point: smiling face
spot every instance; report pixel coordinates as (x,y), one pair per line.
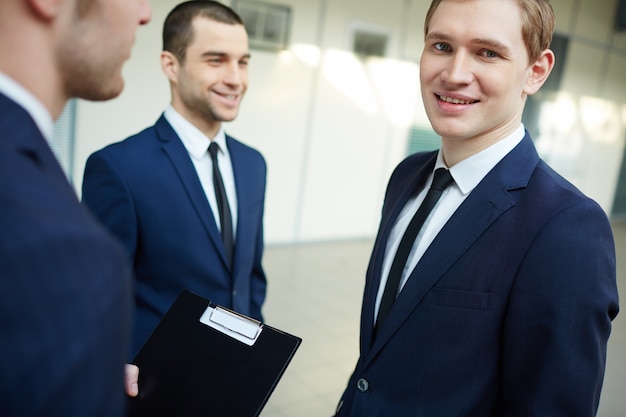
(208,86)
(475,73)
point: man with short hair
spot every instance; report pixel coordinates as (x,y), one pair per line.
(187,220)
(499,300)
(64,281)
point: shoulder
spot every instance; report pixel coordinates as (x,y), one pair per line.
(552,214)
(557,193)
(136,141)
(130,150)
(411,169)
(241,152)
(414,162)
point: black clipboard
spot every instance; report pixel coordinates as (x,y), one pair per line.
(203,359)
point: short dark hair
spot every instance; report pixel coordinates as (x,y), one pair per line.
(178,29)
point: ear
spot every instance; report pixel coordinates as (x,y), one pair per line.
(170,65)
(539,72)
(45,9)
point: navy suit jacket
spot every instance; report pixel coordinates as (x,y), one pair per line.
(65,295)
(146,190)
(509,310)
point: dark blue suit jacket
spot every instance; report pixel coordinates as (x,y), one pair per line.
(65,295)
(146,190)
(509,310)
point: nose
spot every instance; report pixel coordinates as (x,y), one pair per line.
(145,12)
(234,75)
(458,69)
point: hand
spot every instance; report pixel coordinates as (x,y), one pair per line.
(131,376)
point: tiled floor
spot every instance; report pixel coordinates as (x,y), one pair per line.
(315,292)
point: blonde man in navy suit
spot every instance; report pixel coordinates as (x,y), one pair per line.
(503,306)
(65,295)
(155,190)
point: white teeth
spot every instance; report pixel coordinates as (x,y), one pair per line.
(454,100)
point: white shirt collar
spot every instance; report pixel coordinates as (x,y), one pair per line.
(193,139)
(469,172)
(30,103)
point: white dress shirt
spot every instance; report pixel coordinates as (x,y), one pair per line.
(197,144)
(467,174)
(30,103)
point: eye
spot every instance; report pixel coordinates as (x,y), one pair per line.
(441,46)
(490,54)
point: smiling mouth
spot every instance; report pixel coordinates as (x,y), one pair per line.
(227,96)
(456,100)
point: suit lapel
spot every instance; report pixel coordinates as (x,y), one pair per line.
(243,194)
(409,186)
(179,157)
(26,138)
(247,193)
(486,203)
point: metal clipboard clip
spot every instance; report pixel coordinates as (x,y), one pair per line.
(235,325)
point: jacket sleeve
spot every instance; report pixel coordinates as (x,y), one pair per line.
(258,281)
(559,318)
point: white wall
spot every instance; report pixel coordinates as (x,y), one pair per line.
(333,126)
(583,135)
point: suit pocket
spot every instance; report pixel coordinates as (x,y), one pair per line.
(456,298)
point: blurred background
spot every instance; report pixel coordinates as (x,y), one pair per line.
(334,104)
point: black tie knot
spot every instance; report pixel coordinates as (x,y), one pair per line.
(442,179)
(213,150)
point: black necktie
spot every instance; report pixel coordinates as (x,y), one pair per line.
(441,181)
(226,222)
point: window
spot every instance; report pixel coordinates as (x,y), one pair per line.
(422,139)
(367,43)
(267,24)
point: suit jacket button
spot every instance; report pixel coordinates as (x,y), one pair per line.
(363,385)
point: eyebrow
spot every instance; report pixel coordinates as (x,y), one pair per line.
(208,54)
(490,43)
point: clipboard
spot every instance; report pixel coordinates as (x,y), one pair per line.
(203,359)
